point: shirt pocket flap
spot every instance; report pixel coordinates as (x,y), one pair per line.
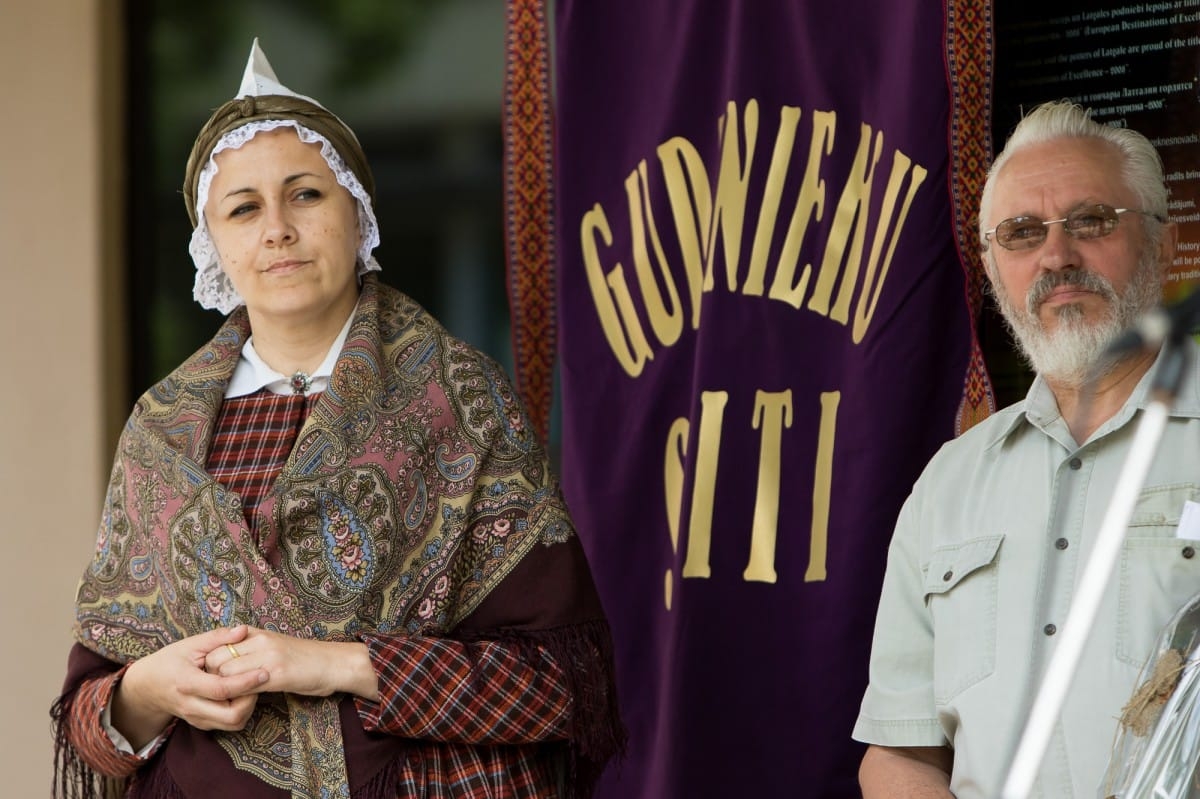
(951,564)
(1162,506)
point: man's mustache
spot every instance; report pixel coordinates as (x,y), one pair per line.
(1078,278)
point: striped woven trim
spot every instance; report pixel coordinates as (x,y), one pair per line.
(529,206)
(969,59)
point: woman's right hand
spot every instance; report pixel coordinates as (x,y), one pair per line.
(172,683)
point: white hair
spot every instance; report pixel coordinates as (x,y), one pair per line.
(1140,165)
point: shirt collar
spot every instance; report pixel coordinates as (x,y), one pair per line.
(1187,401)
(1041,409)
(252,373)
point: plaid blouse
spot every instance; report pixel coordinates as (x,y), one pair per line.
(469,719)
(254,436)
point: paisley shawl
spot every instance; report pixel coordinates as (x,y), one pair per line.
(415,486)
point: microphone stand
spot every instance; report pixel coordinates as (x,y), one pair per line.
(1168,377)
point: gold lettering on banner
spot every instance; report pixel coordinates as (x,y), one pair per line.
(667,324)
(619,321)
(871,286)
(810,204)
(772,413)
(733,184)
(712,414)
(850,217)
(673,477)
(789,118)
(707,230)
(691,208)
(831,262)
(818,542)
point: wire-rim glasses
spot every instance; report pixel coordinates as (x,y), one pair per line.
(1087,222)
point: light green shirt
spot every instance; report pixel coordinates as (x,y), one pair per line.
(981,573)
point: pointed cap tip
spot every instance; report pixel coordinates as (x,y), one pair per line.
(260,79)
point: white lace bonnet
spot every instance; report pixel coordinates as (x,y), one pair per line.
(213,288)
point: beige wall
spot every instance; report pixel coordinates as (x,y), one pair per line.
(55,192)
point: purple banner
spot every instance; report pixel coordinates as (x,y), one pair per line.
(764,334)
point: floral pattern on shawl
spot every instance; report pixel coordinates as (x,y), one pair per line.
(414,488)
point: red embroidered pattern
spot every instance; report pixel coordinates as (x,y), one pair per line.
(969,66)
(529,206)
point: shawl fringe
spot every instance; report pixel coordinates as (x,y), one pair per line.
(73,777)
(155,783)
(385,783)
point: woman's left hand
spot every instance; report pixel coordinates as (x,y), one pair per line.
(299,665)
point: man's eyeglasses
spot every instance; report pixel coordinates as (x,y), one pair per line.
(1088,222)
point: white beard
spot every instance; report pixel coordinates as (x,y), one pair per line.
(1071,353)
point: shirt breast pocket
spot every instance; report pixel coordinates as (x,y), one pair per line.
(960,592)
(1158,571)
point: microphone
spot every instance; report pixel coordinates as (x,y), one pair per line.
(1159,324)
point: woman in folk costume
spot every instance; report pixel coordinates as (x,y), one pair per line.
(332,561)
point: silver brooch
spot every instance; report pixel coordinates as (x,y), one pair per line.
(300,383)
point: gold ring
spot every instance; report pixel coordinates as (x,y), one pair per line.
(232,651)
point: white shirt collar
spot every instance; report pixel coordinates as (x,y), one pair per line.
(252,372)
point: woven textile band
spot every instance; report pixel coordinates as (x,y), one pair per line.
(529,206)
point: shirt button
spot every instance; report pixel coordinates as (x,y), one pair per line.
(1061,543)
(1189,552)
(1049,629)
(1075,463)
(946,577)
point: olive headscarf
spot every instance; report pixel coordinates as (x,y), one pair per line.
(243,110)
(265,104)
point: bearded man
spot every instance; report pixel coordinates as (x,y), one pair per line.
(990,545)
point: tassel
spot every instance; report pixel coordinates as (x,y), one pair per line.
(73,778)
